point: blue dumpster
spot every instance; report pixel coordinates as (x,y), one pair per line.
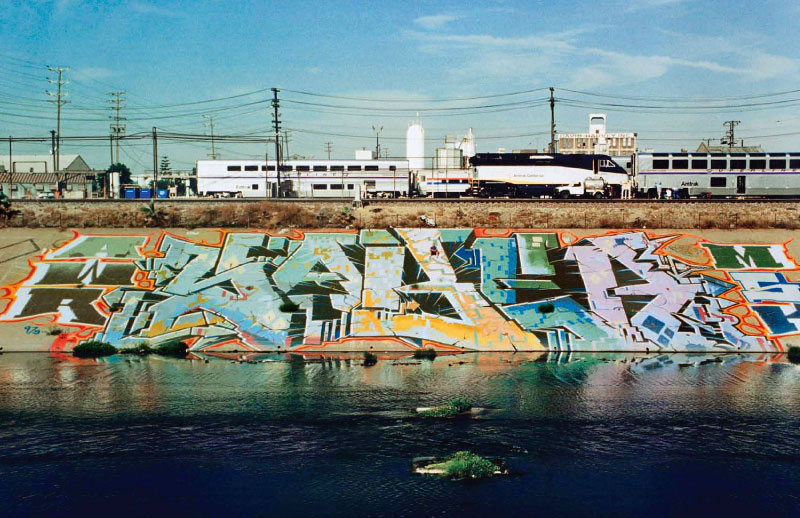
(145,192)
(163,193)
(130,192)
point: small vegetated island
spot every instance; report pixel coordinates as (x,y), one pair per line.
(97,349)
(461,465)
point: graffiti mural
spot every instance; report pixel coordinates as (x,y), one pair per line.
(401,289)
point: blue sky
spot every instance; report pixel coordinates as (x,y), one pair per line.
(679,54)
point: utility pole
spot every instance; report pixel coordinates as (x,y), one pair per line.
(729,138)
(10,170)
(552,122)
(210,125)
(328,149)
(117,129)
(276,124)
(107,182)
(377,130)
(155,161)
(59,101)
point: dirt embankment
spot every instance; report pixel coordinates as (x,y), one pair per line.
(416,213)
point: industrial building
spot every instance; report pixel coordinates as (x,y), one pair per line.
(597,140)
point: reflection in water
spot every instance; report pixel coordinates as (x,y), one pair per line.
(579,428)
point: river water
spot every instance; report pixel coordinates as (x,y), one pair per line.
(606,435)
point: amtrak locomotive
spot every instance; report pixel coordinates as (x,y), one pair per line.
(527,175)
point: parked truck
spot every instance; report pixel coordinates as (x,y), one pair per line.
(590,187)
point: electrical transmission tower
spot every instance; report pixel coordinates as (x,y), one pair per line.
(59,101)
(729,139)
(117,128)
(328,149)
(210,126)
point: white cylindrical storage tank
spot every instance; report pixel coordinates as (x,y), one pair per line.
(113,189)
(415,146)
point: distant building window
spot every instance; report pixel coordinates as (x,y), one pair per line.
(370,168)
(699,164)
(251,168)
(777,164)
(718,181)
(738,164)
(660,164)
(255,187)
(337,168)
(320,186)
(234,168)
(320,168)
(354,168)
(794,164)
(758,164)
(303,168)
(680,164)
(719,164)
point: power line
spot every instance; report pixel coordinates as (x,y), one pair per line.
(59,102)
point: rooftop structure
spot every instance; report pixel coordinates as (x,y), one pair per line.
(42,163)
(597,140)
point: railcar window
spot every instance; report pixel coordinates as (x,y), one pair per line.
(337,168)
(699,164)
(680,164)
(270,168)
(660,164)
(336,186)
(320,168)
(794,164)
(302,168)
(286,168)
(354,168)
(254,186)
(370,168)
(251,168)
(392,168)
(234,168)
(369,184)
(349,186)
(718,181)
(320,186)
(263,168)
(738,164)
(719,164)
(777,164)
(758,164)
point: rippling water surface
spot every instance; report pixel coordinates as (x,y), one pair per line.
(602,435)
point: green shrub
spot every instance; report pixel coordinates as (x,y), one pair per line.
(465,464)
(427,354)
(450,409)
(142,349)
(794,354)
(288,306)
(172,348)
(369,359)
(93,349)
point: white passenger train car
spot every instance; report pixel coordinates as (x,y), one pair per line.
(719,174)
(445,183)
(305,178)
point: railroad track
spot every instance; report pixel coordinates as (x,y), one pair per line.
(378,201)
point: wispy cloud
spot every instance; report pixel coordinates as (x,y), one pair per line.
(91,73)
(436,21)
(641,5)
(141,7)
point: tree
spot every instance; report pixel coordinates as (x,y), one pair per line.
(100,182)
(164,168)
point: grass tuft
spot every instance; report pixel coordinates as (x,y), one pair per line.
(93,349)
(369,359)
(794,354)
(425,354)
(450,409)
(465,465)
